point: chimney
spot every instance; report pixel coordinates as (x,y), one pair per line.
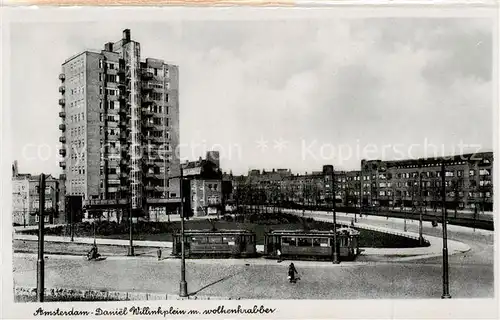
(327,170)
(108,47)
(214,157)
(14,169)
(126,35)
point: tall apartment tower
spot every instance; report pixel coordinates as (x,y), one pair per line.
(120,128)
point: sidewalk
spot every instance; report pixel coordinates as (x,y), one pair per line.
(35,227)
(349,216)
(113,242)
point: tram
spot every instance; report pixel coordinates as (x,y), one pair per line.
(219,243)
(311,244)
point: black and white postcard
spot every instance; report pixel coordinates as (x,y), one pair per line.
(267,163)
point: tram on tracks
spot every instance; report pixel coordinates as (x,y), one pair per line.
(311,244)
(219,243)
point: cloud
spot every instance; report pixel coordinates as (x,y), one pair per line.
(352,81)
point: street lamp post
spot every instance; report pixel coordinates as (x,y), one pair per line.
(130,229)
(360,192)
(446,286)
(183,283)
(355,211)
(405,227)
(40,262)
(335,253)
(95,243)
(130,252)
(72,224)
(420,237)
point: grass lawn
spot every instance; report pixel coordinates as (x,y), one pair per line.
(260,224)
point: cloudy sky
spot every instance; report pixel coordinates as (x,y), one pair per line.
(289,94)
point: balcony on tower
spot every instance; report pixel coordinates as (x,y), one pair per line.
(62,164)
(147,100)
(62,89)
(62,77)
(62,102)
(121,71)
(62,139)
(123,136)
(122,111)
(62,114)
(62,152)
(147,125)
(147,75)
(62,127)
(124,124)
(150,163)
(147,88)
(147,112)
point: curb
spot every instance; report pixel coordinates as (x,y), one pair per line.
(104,295)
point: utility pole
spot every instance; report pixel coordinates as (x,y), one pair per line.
(72,222)
(40,263)
(420,237)
(355,211)
(446,285)
(335,253)
(222,205)
(24,210)
(130,228)
(95,243)
(183,283)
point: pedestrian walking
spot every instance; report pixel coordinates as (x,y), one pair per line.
(291,273)
(278,253)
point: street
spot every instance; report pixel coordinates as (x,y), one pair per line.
(471,273)
(382,280)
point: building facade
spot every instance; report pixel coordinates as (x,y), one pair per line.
(393,185)
(119,130)
(25,199)
(407,183)
(204,189)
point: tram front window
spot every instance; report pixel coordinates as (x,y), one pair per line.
(343,241)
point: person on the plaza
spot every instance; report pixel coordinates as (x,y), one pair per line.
(291,273)
(278,253)
(93,253)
